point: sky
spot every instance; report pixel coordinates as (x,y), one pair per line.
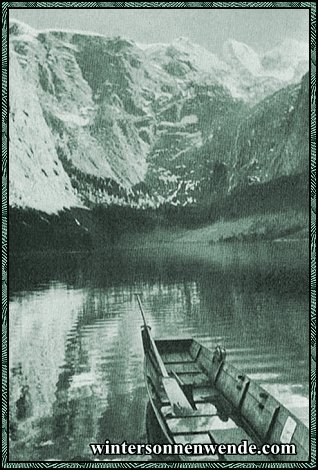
(261,29)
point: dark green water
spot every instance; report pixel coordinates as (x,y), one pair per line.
(75,353)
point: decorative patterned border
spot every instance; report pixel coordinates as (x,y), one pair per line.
(5,5)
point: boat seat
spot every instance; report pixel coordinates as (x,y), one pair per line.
(194,424)
(235,435)
(202,409)
(196,379)
(201,395)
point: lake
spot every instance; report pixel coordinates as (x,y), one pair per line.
(75,352)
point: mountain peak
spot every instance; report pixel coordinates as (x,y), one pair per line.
(241,56)
(182,40)
(18,28)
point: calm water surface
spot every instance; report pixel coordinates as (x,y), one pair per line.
(75,352)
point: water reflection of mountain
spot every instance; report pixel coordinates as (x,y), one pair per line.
(277,266)
(95,389)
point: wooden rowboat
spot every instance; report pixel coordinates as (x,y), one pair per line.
(207,400)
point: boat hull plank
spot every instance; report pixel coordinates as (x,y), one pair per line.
(176,357)
(234,385)
(183,368)
(260,410)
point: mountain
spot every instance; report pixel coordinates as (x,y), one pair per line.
(287,61)
(97,120)
(260,75)
(273,139)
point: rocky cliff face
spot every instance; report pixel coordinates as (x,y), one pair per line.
(273,139)
(95,120)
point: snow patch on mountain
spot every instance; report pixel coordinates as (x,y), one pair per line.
(37,177)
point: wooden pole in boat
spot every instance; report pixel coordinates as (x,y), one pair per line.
(179,402)
(141,309)
(154,348)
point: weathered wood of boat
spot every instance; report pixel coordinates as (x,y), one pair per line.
(222,405)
